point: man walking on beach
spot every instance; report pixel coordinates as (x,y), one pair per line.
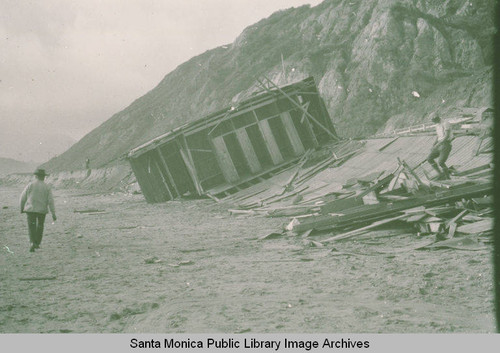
(441,148)
(36,200)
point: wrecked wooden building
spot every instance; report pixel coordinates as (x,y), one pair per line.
(234,147)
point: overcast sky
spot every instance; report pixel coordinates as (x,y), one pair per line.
(67,66)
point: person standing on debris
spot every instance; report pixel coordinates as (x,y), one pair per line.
(36,200)
(441,148)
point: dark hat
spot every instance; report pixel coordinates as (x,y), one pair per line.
(40,172)
(436,119)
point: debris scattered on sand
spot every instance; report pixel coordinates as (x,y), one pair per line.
(182,263)
(37,278)
(152,260)
(272,235)
(89,210)
(351,188)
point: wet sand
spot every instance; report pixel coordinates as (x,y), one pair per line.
(188,266)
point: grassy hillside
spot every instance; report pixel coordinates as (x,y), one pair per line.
(369,58)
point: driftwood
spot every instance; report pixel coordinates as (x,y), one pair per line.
(234,211)
(213,197)
(37,278)
(90,210)
(363,229)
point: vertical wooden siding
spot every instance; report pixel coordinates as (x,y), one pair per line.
(298,147)
(248,151)
(270,142)
(224,159)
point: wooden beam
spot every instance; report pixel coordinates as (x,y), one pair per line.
(381,182)
(302,108)
(363,229)
(142,178)
(306,106)
(213,197)
(164,180)
(224,118)
(307,124)
(192,173)
(456,218)
(368,213)
(298,147)
(199,150)
(409,170)
(165,165)
(311,132)
(154,182)
(474,170)
(484,225)
(189,161)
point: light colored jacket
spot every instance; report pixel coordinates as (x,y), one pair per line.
(37,197)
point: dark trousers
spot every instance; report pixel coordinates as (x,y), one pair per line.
(35,226)
(442,151)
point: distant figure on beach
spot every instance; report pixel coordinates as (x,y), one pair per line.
(87,166)
(441,148)
(36,200)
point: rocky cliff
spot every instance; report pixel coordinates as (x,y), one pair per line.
(378,64)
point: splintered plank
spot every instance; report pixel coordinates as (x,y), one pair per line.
(482,226)
(212,197)
(89,210)
(411,172)
(341,204)
(474,170)
(415,218)
(289,212)
(388,144)
(299,166)
(368,213)
(455,219)
(38,278)
(362,229)
(234,211)
(483,201)
(381,182)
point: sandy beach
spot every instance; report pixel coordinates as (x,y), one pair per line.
(120,265)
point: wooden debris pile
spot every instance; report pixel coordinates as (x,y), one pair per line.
(326,198)
(446,208)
